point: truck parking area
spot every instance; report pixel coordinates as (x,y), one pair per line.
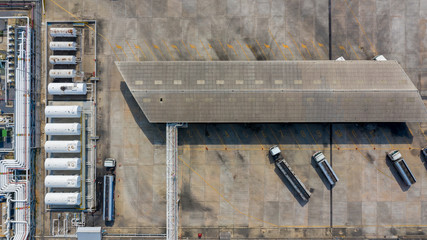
(229,184)
(236,185)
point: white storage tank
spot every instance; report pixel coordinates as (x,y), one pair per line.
(63,111)
(62,146)
(65,46)
(62,129)
(68,199)
(67,88)
(62,181)
(63,32)
(62,73)
(62,59)
(62,163)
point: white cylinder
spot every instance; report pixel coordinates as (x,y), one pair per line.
(67,88)
(63,111)
(62,163)
(62,73)
(62,146)
(62,181)
(62,59)
(66,46)
(69,199)
(63,32)
(62,129)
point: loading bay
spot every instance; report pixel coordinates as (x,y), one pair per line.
(228,185)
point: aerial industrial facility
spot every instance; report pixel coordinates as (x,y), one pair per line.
(213,119)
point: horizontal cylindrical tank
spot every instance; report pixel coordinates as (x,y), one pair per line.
(65,46)
(67,88)
(62,181)
(63,32)
(62,73)
(69,199)
(62,59)
(63,111)
(62,146)
(62,163)
(62,129)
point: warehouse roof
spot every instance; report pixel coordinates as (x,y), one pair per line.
(273,91)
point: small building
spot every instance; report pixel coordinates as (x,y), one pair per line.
(89,233)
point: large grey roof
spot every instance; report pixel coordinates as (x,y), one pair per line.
(273,91)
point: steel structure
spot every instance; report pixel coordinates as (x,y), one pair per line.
(17,188)
(172,180)
(273,91)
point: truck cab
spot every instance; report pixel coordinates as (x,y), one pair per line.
(110,163)
(318,157)
(275,152)
(394,155)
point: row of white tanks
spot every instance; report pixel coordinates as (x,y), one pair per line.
(63,129)
(63,164)
(63,45)
(64,88)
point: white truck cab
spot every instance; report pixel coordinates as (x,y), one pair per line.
(110,163)
(274,150)
(318,156)
(394,155)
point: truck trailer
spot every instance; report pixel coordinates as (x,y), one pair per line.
(289,174)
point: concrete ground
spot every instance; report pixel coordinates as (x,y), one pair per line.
(227,183)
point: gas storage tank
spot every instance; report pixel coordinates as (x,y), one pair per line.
(63,32)
(62,181)
(62,73)
(62,59)
(62,146)
(62,129)
(62,163)
(65,46)
(63,111)
(67,88)
(64,199)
